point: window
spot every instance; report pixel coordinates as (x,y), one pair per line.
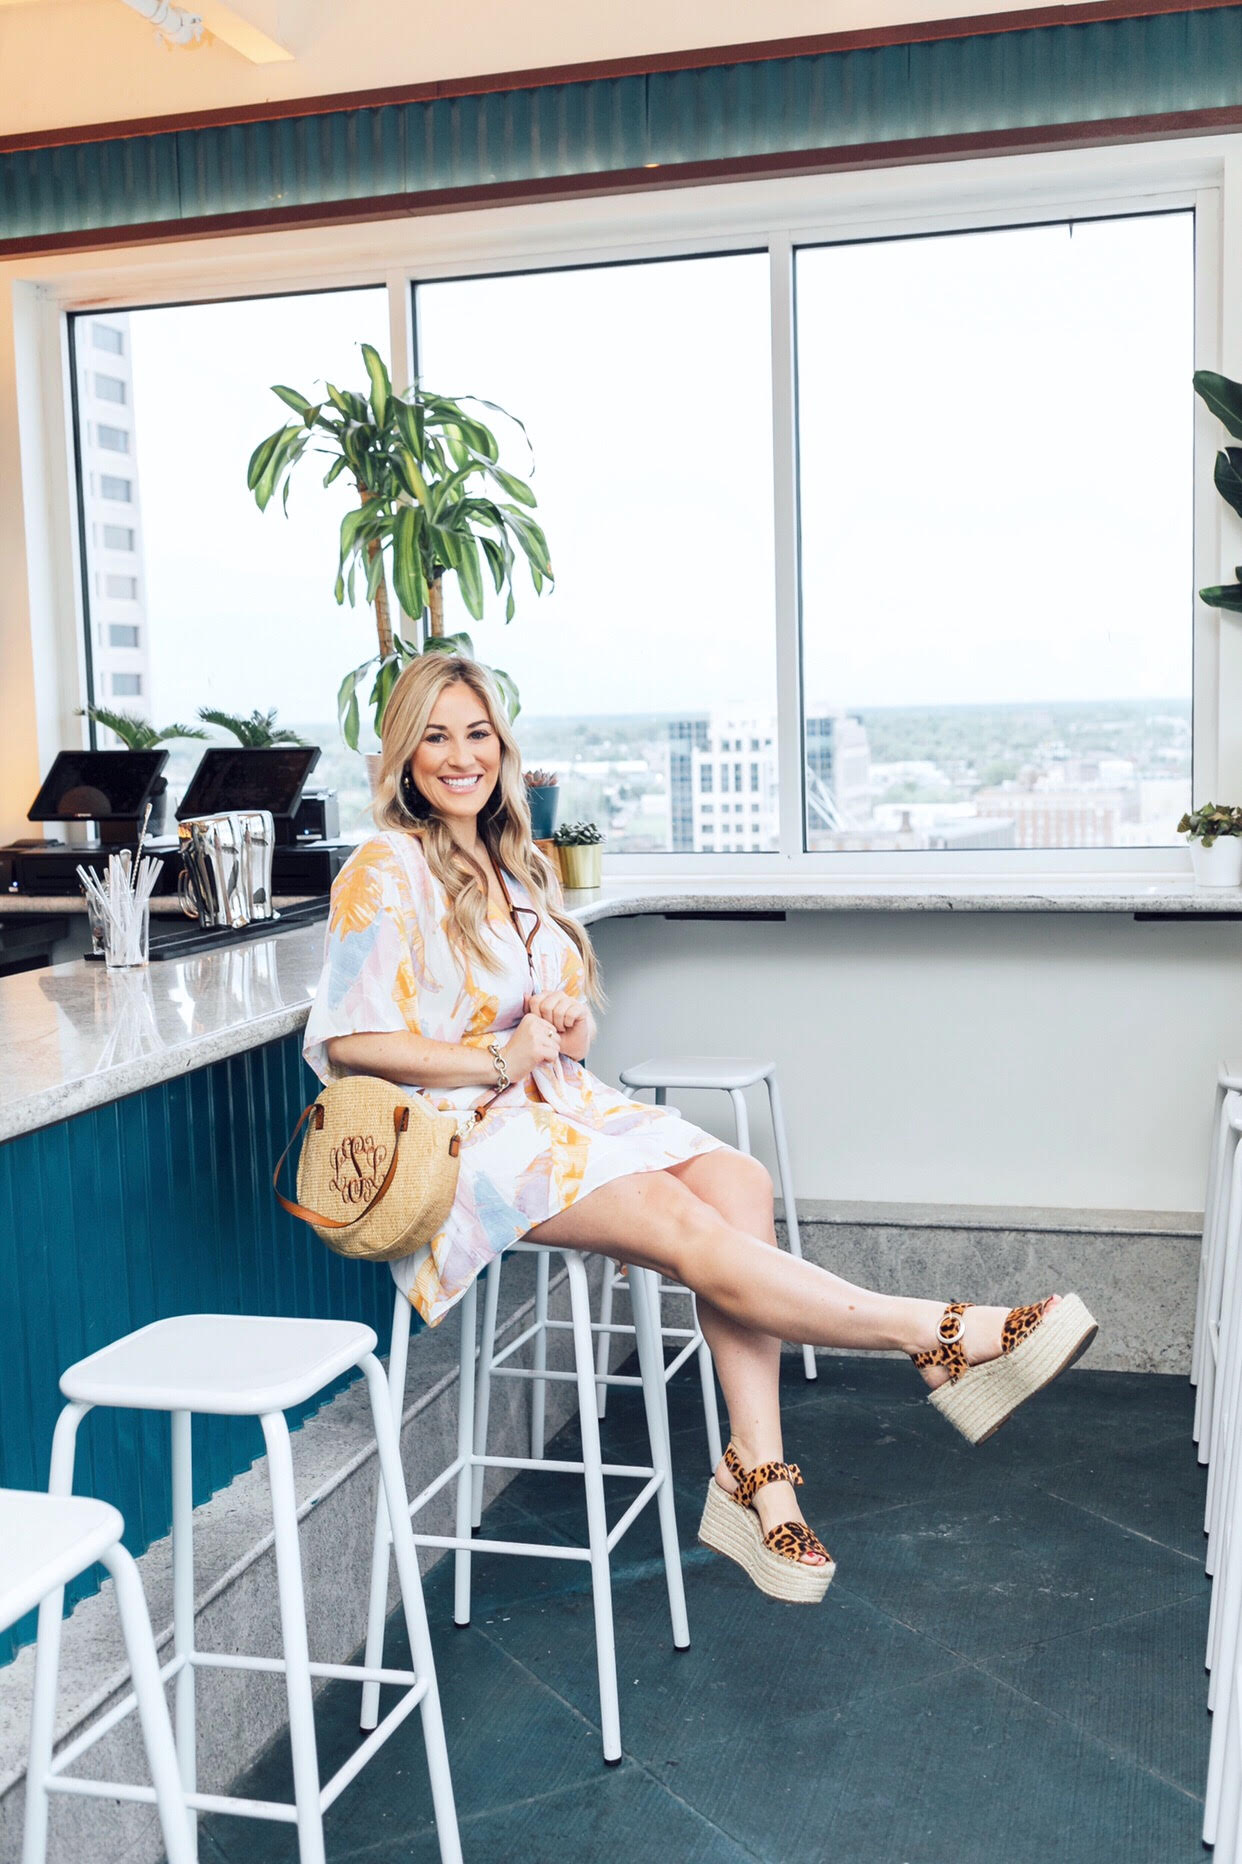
(606,365)
(705,777)
(107,337)
(110,388)
(996,621)
(112,439)
(227,606)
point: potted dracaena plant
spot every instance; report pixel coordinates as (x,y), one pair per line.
(136,734)
(434,502)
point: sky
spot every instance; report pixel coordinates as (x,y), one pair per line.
(995,450)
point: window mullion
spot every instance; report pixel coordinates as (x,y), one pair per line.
(785,541)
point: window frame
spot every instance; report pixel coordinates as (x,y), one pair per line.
(1201,174)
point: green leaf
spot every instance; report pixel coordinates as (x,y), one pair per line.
(347,705)
(411,477)
(375,574)
(410,424)
(1222,396)
(408,578)
(451,644)
(495,561)
(1223,595)
(1228,476)
(338,400)
(259,458)
(515,487)
(335,470)
(298,403)
(381,387)
(508,692)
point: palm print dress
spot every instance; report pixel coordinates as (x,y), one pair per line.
(389,965)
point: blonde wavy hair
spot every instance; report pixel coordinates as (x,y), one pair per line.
(504,821)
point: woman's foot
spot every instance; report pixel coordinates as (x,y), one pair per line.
(775,1503)
(982,1363)
(981,1333)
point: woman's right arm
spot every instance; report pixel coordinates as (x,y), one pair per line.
(402,1056)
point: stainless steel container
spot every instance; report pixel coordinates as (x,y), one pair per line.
(226,867)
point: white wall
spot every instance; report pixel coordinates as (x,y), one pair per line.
(944,1058)
(94,61)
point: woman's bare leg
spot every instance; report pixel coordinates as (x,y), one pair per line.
(748,1364)
(653,1219)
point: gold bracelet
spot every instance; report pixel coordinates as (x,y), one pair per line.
(501,1066)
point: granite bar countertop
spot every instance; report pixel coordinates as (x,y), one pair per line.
(75,1036)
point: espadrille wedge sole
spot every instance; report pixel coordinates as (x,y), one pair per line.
(983,1397)
(730,1529)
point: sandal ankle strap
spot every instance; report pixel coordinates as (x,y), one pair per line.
(948,1350)
(750,1481)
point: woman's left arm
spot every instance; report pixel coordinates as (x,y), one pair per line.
(571,1018)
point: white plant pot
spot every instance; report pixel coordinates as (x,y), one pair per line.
(372,759)
(1221,864)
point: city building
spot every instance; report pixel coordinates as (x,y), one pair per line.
(112,513)
(723,776)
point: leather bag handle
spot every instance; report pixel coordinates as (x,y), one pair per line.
(400,1122)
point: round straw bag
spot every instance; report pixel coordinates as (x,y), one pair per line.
(378,1169)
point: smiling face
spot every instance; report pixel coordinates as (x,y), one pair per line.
(457,764)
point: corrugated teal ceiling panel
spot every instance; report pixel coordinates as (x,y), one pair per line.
(1026,79)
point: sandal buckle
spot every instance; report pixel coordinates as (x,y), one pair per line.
(950,1330)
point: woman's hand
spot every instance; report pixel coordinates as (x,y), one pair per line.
(533,1042)
(558,1008)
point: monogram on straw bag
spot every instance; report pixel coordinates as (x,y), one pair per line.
(378,1170)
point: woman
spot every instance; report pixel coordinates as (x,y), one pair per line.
(451,969)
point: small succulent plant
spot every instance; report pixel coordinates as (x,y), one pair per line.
(1210,821)
(540,779)
(586,834)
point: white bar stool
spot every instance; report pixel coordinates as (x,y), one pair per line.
(730,1074)
(1220,1368)
(45,1541)
(471,1460)
(1211,1257)
(245,1366)
(1223,1349)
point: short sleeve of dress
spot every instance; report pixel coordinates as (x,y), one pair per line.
(372,956)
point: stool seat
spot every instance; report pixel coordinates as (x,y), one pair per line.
(725,1071)
(46,1540)
(231,1365)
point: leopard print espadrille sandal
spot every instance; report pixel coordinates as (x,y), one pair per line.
(775,1560)
(1037,1343)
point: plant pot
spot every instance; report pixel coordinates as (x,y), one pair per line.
(543,803)
(580,866)
(1220,865)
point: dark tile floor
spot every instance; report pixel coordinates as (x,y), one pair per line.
(1008,1667)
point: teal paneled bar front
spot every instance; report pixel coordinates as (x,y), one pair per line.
(155,1204)
(1103,78)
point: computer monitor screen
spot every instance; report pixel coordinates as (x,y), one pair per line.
(97,786)
(233,777)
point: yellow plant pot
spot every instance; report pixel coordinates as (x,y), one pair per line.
(580,867)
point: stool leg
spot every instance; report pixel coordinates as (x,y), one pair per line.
(465,1453)
(597,1518)
(377,1608)
(392,1482)
(785,1173)
(538,1386)
(1213,1277)
(483,1384)
(643,1299)
(47,1655)
(183,1604)
(1216,1159)
(179,1830)
(294,1638)
(603,1349)
(711,1412)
